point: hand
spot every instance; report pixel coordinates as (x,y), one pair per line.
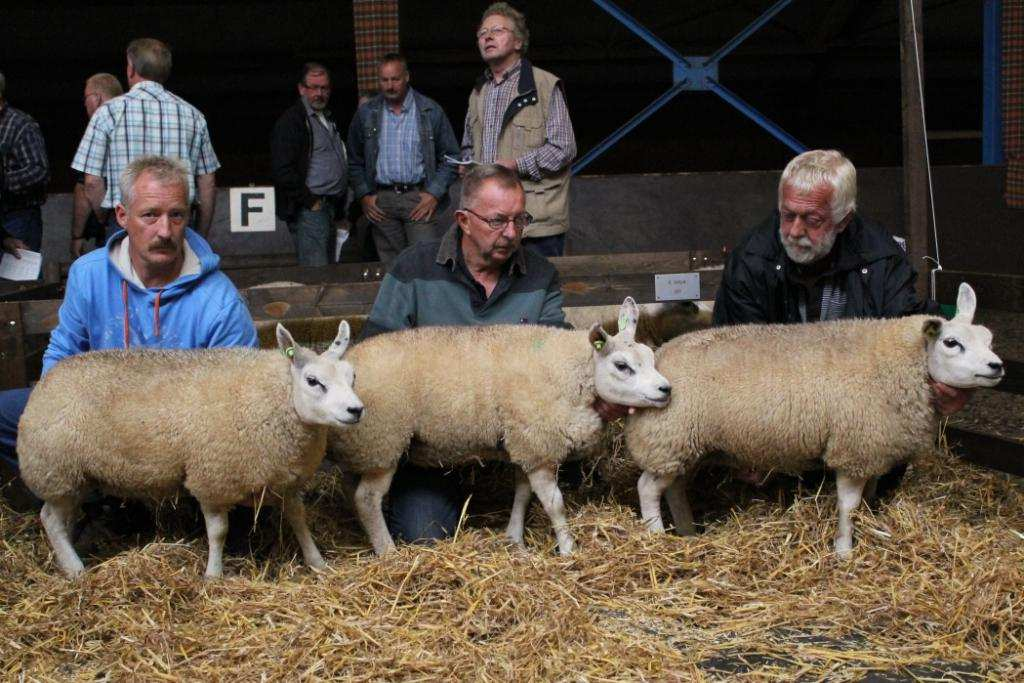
(610,412)
(424,211)
(317,205)
(77,246)
(948,400)
(12,244)
(510,164)
(371,210)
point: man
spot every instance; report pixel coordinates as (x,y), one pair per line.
(156,284)
(24,172)
(310,167)
(398,141)
(517,118)
(149,120)
(477,274)
(816,258)
(99,88)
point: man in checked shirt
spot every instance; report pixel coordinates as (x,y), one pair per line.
(148,120)
(517,118)
(24,172)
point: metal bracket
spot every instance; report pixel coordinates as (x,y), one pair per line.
(698,73)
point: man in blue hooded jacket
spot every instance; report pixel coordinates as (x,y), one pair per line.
(156,285)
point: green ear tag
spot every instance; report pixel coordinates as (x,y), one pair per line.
(290,352)
(599,344)
(623,321)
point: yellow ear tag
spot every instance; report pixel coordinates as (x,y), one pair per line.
(290,352)
(599,344)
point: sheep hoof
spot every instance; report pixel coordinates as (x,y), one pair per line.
(844,549)
(318,565)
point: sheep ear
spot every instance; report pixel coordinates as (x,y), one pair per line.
(599,339)
(966,303)
(296,354)
(340,343)
(931,328)
(629,314)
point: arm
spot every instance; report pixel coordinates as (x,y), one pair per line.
(900,293)
(95,189)
(26,164)
(206,186)
(79,215)
(233,327)
(559,148)
(92,156)
(362,184)
(71,336)
(736,301)
(444,144)
(284,164)
(393,309)
(551,313)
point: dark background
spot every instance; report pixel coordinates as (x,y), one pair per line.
(827,71)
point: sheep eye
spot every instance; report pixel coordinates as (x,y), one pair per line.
(623,367)
(314,382)
(952,343)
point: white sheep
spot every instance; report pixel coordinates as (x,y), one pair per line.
(853,393)
(228,425)
(522,393)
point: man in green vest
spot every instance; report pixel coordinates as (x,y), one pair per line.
(517,118)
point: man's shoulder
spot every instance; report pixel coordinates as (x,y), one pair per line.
(761,239)
(538,267)
(20,120)
(419,262)
(872,240)
(293,116)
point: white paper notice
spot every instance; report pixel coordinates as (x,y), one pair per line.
(24,268)
(459,162)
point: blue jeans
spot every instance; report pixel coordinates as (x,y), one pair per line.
(12,405)
(423,504)
(26,225)
(552,245)
(314,234)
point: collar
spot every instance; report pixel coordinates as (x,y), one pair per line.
(407,103)
(449,254)
(312,112)
(509,72)
(152,87)
(121,259)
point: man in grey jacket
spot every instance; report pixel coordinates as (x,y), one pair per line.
(397,145)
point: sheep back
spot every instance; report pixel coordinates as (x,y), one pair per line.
(144,423)
(853,393)
(462,391)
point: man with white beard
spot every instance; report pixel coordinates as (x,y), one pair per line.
(816,258)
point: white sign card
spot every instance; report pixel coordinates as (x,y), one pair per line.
(252,209)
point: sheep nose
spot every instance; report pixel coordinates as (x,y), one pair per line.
(998,367)
(665,389)
(356,412)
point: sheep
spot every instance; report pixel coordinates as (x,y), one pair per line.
(523,393)
(228,425)
(853,393)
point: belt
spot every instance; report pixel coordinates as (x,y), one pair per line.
(400,188)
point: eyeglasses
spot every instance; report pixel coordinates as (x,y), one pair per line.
(495,31)
(520,222)
(317,88)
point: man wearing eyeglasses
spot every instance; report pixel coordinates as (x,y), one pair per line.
(518,118)
(99,88)
(309,165)
(477,274)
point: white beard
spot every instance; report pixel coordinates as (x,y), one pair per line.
(803,251)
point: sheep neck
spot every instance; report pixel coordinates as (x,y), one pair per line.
(609,412)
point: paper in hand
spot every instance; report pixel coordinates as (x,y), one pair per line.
(25,268)
(459,162)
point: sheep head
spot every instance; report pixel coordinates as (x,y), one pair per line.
(960,352)
(624,371)
(322,384)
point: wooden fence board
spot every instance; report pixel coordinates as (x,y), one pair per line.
(994,290)
(992,452)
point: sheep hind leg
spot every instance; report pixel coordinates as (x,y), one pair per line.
(368,500)
(295,512)
(544,482)
(57,517)
(520,504)
(849,491)
(682,516)
(650,487)
(216,533)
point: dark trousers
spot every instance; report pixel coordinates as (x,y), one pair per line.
(423,504)
(552,245)
(26,225)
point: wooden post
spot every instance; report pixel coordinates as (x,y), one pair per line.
(12,347)
(915,168)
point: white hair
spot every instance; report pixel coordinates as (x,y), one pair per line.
(166,170)
(817,167)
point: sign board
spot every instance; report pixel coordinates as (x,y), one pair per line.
(252,209)
(677,287)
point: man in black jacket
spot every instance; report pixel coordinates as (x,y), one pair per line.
(310,167)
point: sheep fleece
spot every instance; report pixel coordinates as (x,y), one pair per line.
(852,392)
(145,422)
(459,390)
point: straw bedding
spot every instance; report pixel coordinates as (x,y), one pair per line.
(936,588)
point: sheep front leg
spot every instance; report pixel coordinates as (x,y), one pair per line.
(544,482)
(295,512)
(216,534)
(57,517)
(368,500)
(679,505)
(848,492)
(650,487)
(520,504)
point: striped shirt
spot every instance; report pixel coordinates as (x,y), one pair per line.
(400,159)
(22,152)
(147,120)
(559,148)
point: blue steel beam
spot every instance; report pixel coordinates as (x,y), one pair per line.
(745,33)
(991,115)
(754,115)
(609,141)
(642,31)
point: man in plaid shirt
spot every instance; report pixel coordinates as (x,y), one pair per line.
(24,172)
(148,120)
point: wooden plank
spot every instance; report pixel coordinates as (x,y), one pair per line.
(986,450)
(12,347)
(310,275)
(39,317)
(994,290)
(915,179)
(23,291)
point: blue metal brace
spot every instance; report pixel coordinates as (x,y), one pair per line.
(689,73)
